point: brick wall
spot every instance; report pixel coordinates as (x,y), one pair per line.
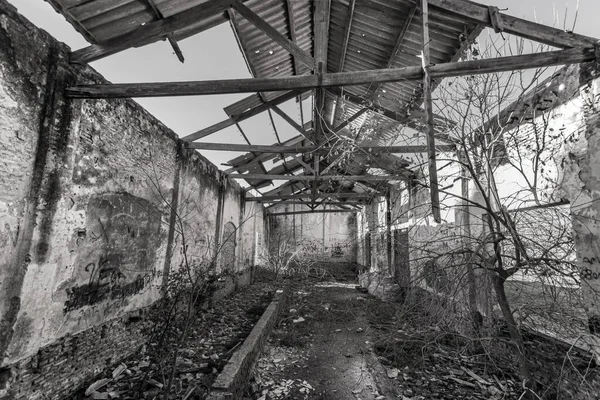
(97,199)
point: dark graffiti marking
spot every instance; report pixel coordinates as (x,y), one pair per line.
(337,252)
(116,259)
(591,260)
(589,275)
(7,236)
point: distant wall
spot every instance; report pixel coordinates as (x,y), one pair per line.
(94,197)
(328,237)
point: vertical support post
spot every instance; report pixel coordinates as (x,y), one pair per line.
(433,179)
(388,225)
(465,224)
(219,222)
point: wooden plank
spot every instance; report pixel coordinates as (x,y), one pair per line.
(356,203)
(308,196)
(245,161)
(299,149)
(170,36)
(274,34)
(346,36)
(480,14)
(316,211)
(293,35)
(366,178)
(321,39)
(243,116)
(195,88)
(307,167)
(350,119)
(291,121)
(152,32)
(428,103)
(374,88)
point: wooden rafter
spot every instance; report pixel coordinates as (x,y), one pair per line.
(154,31)
(170,36)
(348,202)
(366,178)
(350,119)
(480,14)
(443,70)
(373,88)
(291,121)
(403,118)
(466,43)
(325,211)
(274,34)
(294,38)
(293,35)
(321,35)
(428,102)
(346,36)
(243,116)
(246,161)
(308,196)
(299,149)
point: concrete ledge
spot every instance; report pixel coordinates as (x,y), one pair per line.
(231,381)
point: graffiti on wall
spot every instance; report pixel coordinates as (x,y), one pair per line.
(8,236)
(116,250)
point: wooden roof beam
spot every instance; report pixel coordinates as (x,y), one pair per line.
(428,102)
(170,36)
(153,31)
(492,18)
(374,88)
(243,116)
(308,196)
(366,178)
(324,211)
(321,35)
(356,203)
(346,36)
(286,149)
(274,34)
(291,121)
(443,70)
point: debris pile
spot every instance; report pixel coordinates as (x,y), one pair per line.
(215,334)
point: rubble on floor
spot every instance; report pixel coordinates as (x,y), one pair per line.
(329,329)
(213,338)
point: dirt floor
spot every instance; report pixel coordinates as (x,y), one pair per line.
(321,350)
(335,342)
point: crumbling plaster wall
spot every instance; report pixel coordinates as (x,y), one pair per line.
(94,198)
(579,179)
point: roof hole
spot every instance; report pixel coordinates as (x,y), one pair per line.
(270,52)
(257,51)
(359,51)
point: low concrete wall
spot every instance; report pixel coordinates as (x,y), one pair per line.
(231,381)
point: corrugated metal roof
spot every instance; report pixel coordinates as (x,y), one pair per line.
(381,34)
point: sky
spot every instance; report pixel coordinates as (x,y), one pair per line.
(214,54)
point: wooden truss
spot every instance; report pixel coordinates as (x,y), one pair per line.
(309,150)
